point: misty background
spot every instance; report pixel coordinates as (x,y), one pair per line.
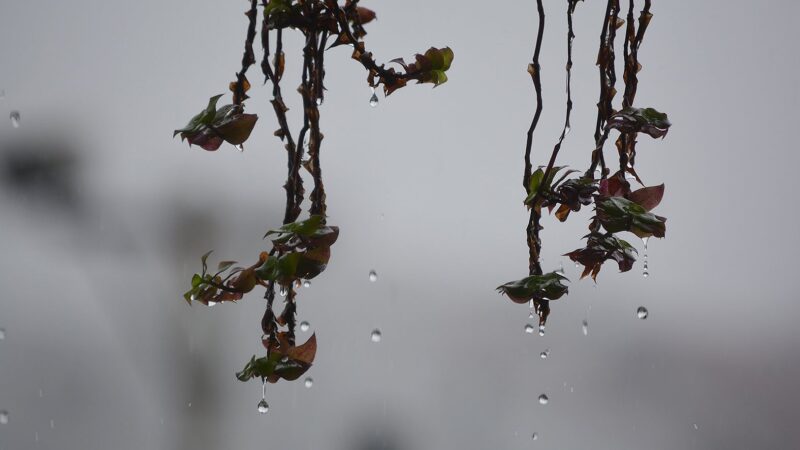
(103,218)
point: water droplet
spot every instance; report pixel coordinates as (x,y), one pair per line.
(560,270)
(3,417)
(320,100)
(530,315)
(694,425)
(642,312)
(544,354)
(211,303)
(52,424)
(306,284)
(15,118)
(304,325)
(263,406)
(373,101)
(282,291)
(189,404)
(567,129)
(541,330)
(535,436)
(2,94)
(543,399)
(373,276)
(2,333)
(645,272)
(36,437)
(308,383)
(41,393)
(240,147)
(376,335)
(585,327)
(528,328)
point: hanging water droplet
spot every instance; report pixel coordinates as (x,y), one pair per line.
(541,330)
(585,327)
(543,399)
(304,325)
(308,382)
(567,130)
(530,315)
(544,354)
(3,417)
(306,284)
(240,147)
(373,101)
(263,406)
(2,333)
(642,312)
(645,272)
(528,328)
(320,100)
(560,270)
(376,335)
(212,303)
(373,276)
(535,436)
(15,119)
(282,291)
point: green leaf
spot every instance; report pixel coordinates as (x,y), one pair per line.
(620,214)
(548,286)
(645,120)
(304,227)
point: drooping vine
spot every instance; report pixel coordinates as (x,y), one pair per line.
(617,207)
(300,249)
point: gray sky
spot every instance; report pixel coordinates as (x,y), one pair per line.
(426,189)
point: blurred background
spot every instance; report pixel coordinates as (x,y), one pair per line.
(103,218)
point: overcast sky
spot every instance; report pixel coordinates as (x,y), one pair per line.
(100,351)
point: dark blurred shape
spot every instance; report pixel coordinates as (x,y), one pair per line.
(40,170)
(374,434)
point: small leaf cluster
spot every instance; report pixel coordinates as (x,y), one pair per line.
(209,128)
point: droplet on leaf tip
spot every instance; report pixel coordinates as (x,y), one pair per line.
(376,335)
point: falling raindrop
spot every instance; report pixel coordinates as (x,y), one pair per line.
(2,333)
(695,426)
(2,94)
(642,312)
(15,118)
(373,276)
(36,437)
(189,404)
(3,417)
(240,147)
(320,100)
(306,284)
(541,330)
(585,327)
(52,424)
(544,354)
(376,335)
(373,101)
(535,436)
(645,272)
(543,399)
(309,382)
(41,393)
(263,406)
(304,325)
(528,328)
